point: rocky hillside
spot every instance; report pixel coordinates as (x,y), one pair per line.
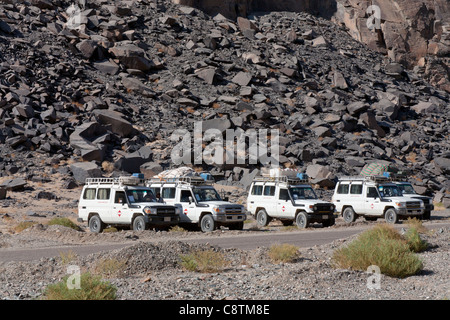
(411,32)
(104,94)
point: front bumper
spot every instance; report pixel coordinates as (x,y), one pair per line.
(319,217)
(410,212)
(229,217)
(162,220)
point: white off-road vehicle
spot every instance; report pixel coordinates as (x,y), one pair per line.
(123,201)
(200,203)
(373,197)
(287,199)
(408,191)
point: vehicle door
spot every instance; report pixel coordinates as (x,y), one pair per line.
(270,200)
(103,204)
(373,205)
(356,198)
(120,212)
(188,205)
(284,205)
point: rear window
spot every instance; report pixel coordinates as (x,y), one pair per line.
(269,190)
(356,189)
(257,190)
(103,194)
(168,193)
(342,188)
(89,194)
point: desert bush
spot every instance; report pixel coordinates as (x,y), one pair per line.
(66,222)
(24,225)
(282,253)
(111,267)
(382,246)
(205,261)
(91,288)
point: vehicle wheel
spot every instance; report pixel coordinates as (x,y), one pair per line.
(391,216)
(301,220)
(262,219)
(207,223)
(96,224)
(349,215)
(139,224)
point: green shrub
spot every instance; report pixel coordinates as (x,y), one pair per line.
(416,244)
(382,246)
(66,222)
(279,253)
(91,288)
(204,261)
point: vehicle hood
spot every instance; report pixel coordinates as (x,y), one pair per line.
(220,203)
(401,199)
(309,202)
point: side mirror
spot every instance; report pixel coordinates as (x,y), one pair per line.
(190,200)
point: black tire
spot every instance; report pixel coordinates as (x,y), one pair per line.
(262,219)
(349,215)
(301,220)
(96,224)
(207,223)
(391,216)
(139,224)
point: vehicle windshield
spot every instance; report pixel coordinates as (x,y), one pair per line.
(140,195)
(407,188)
(389,191)
(302,193)
(206,194)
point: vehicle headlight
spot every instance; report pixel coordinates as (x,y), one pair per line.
(333,207)
(178,211)
(242,210)
(217,209)
(401,204)
(149,210)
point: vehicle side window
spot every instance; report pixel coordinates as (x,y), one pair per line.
(257,190)
(185,194)
(284,195)
(119,197)
(269,190)
(372,192)
(103,194)
(342,188)
(168,193)
(89,194)
(356,189)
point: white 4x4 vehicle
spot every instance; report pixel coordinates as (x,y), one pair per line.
(123,201)
(287,199)
(409,192)
(200,203)
(373,197)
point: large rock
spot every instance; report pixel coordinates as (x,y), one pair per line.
(86,137)
(83,170)
(118,124)
(132,162)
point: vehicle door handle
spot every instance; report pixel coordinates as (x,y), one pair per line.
(338,200)
(83,207)
(252,201)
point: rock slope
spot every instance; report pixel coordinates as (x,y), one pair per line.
(104,92)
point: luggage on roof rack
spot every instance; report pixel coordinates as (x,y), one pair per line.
(127,181)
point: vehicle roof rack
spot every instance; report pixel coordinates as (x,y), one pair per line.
(282,179)
(191,180)
(397,176)
(126,181)
(365,178)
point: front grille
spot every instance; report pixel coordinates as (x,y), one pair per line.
(413,205)
(231,210)
(165,211)
(322,207)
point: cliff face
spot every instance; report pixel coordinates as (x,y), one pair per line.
(412,32)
